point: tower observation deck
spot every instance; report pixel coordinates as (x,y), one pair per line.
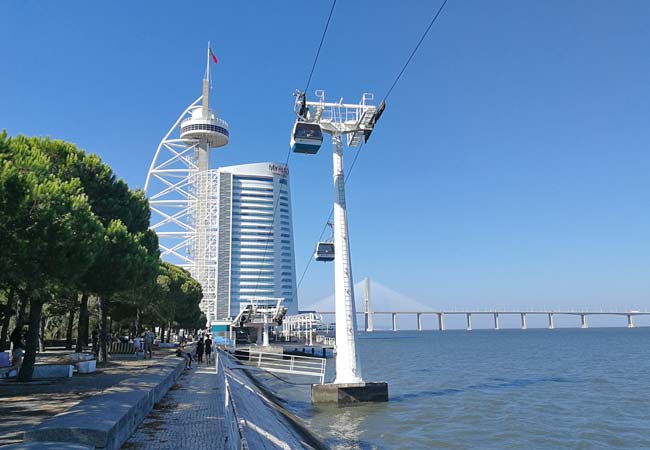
(182,192)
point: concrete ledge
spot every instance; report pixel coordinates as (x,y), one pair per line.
(78,357)
(47,446)
(86,366)
(52,371)
(167,345)
(349,394)
(108,419)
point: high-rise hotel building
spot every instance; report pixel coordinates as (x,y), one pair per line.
(255,254)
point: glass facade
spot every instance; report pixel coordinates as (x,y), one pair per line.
(258,258)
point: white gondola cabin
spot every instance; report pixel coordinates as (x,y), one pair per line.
(324,251)
(306,138)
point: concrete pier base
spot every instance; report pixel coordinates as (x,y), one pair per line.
(349,394)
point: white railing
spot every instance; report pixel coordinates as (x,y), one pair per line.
(289,364)
(236,438)
(326,340)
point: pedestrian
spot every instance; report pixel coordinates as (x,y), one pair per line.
(208,349)
(180,352)
(137,344)
(148,343)
(200,348)
(94,340)
(17,347)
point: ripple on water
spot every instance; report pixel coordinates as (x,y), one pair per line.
(540,389)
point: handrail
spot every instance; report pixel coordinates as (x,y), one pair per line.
(290,364)
(236,437)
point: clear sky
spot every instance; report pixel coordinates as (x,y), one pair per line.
(511,167)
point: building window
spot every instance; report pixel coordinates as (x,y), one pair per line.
(250,178)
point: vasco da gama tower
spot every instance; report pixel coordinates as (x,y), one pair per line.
(231,227)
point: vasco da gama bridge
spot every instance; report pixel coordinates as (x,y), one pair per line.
(496,315)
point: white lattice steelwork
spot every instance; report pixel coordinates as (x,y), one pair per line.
(182,192)
(357,122)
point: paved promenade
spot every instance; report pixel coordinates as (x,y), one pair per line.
(191,415)
(24,405)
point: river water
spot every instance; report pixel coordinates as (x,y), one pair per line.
(486,389)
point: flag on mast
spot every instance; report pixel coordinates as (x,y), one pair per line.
(214,58)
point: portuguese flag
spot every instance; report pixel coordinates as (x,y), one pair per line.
(214,58)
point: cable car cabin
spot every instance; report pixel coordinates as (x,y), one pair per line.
(306,138)
(324,251)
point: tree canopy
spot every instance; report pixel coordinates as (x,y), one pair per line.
(70,225)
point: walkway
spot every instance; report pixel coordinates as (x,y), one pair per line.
(191,415)
(24,405)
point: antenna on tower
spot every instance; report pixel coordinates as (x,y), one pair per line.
(206,84)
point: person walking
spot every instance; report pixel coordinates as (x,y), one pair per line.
(148,343)
(137,344)
(94,339)
(200,348)
(208,349)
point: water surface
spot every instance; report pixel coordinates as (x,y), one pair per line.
(486,389)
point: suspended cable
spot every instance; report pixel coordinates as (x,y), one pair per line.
(320,46)
(329,218)
(424,35)
(286,162)
(390,90)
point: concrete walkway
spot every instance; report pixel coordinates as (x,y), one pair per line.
(25,405)
(191,415)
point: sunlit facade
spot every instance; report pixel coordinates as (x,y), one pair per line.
(255,253)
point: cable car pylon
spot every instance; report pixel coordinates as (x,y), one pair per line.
(356,122)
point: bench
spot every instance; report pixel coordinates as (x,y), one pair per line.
(122,348)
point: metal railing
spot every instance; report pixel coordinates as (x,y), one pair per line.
(289,364)
(326,340)
(234,426)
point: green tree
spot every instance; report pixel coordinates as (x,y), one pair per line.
(177,302)
(128,254)
(48,230)
(125,261)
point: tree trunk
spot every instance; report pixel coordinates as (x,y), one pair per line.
(103,328)
(41,335)
(162,332)
(27,368)
(68,334)
(82,327)
(5,323)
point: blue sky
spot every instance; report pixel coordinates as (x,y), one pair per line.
(511,166)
